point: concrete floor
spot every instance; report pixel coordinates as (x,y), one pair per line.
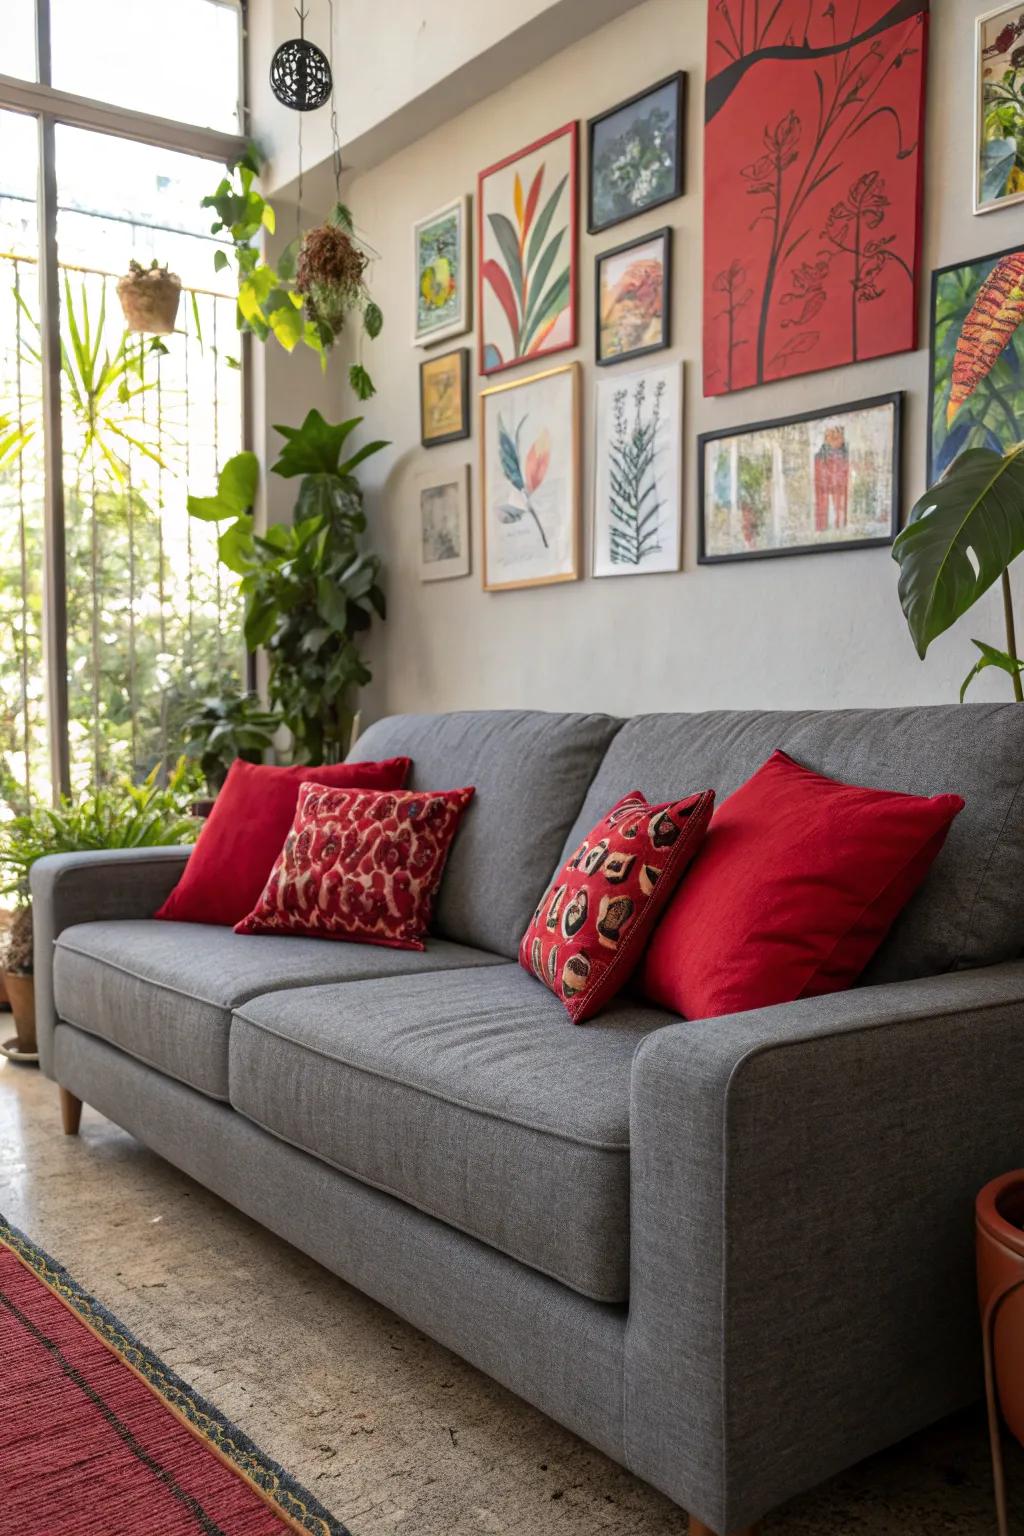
(390,1431)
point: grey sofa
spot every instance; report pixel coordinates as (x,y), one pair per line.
(735,1253)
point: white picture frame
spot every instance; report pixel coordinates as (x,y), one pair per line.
(638,486)
(987,28)
(442,236)
(442,507)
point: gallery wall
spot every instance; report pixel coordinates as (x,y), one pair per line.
(816,631)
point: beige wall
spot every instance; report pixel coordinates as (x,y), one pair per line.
(805,631)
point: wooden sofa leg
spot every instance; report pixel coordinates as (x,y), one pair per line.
(698,1528)
(70,1112)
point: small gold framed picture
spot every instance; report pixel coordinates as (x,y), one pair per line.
(444,398)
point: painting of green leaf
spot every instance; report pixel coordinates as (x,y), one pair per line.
(1000,169)
(635,160)
(528,253)
(638,488)
(977,357)
(442,281)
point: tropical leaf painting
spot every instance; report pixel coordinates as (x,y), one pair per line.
(977,357)
(527,234)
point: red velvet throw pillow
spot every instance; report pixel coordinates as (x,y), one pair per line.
(798,882)
(589,931)
(360,865)
(242,837)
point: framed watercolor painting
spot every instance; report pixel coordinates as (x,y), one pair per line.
(823,480)
(811,232)
(999,121)
(527,239)
(443,508)
(633,298)
(636,155)
(444,398)
(443,273)
(976,388)
(638,492)
(530,479)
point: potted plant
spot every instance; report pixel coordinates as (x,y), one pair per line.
(122,815)
(149,297)
(222,727)
(330,274)
(311,590)
(999,1226)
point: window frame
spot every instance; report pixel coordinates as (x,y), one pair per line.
(49,106)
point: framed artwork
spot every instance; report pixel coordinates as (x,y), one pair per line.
(813,160)
(444,398)
(530,479)
(999,123)
(527,237)
(823,480)
(638,493)
(633,298)
(636,155)
(443,272)
(976,388)
(444,523)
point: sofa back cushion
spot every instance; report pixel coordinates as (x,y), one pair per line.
(531,771)
(970,909)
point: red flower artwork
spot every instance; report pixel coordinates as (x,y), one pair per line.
(813,158)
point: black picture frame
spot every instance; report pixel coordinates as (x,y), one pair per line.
(463,430)
(665,236)
(846,408)
(938,273)
(678,188)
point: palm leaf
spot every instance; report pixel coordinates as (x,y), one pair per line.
(550,307)
(540,229)
(508,240)
(540,276)
(498,279)
(961,537)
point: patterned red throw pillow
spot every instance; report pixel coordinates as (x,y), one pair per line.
(589,932)
(363,865)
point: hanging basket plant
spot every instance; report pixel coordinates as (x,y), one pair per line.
(330,274)
(149,297)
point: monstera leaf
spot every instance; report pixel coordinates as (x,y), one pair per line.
(960,538)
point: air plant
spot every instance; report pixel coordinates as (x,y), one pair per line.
(331,276)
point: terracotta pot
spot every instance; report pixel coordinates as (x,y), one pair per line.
(5,1001)
(21,992)
(999,1215)
(150,301)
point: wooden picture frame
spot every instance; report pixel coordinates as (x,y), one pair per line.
(531,487)
(444,547)
(677,82)
(827,497)
(987,26)
(637,312)
(528,204)
(432,235)
(444,398)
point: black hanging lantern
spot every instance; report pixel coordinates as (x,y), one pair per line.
(300,73)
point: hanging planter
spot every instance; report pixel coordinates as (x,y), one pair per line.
(330,275)
(149,297)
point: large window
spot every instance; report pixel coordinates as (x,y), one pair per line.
(113,614)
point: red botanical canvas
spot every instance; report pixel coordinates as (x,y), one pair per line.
(812,161)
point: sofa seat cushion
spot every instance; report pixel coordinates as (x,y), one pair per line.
(164,992)
(470,1096)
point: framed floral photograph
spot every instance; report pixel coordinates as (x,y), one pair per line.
(633,298)
(530,479)
(823,480)
(999,108)
(443,500)
(443,273)
(636,154)
(638,492)
(444,398)
(527,238)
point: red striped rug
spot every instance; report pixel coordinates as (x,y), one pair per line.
(99,1438)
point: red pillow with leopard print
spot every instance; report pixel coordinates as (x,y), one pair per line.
(589,932)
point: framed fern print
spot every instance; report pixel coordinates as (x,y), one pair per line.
(527,228)
(976,396)
(530,479)
(823,480)
(637,476)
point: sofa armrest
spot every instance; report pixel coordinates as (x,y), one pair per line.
(69,888)
(802,1272)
